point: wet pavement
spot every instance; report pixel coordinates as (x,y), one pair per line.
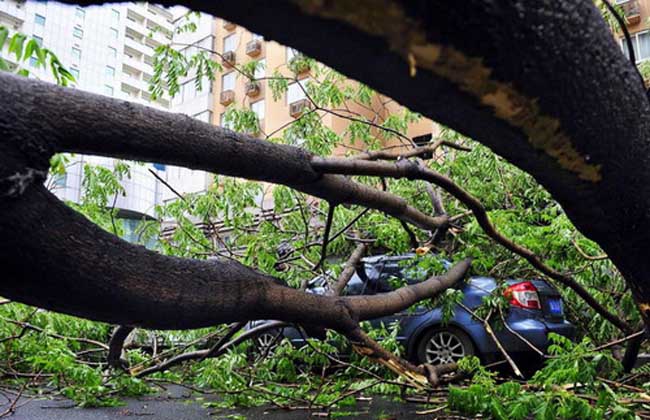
(180,404)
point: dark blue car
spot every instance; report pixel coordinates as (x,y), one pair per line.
(536,310)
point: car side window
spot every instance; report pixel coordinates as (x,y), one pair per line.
(355,286)
(383,283)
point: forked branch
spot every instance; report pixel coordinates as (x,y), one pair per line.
(411,170)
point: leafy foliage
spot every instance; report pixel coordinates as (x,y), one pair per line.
(26,49)
(559,391)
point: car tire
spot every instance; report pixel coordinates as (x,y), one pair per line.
(444,345)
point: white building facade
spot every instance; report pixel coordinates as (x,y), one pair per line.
(110,49)
(190,100)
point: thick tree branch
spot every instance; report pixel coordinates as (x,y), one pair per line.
(136,132)
(348,271)
(107,279)
(116,345)
(414,152)
(571,111)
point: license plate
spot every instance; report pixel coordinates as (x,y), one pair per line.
(555,305)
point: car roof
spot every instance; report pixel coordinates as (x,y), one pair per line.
(482,282)
(382,258)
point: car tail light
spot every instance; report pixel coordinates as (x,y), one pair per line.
(523,295)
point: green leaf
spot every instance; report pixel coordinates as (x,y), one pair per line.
(32,45)
(4,34)
(16,45)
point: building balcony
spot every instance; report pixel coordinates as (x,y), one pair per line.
(227,97)
(298,107)
(253,88)
(229,59)
(254,48)
(300,66)
(136,26)
(160,17)
(159,35)
(133,83)
(136,64)
(631,11)
(14,12)
(138,46)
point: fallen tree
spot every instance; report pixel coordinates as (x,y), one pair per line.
(518,104)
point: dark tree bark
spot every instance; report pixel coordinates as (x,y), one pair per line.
(542,83)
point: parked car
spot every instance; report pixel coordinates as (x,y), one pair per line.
(536,309)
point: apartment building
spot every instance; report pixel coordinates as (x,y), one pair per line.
(637,19)
(110,51)
(236,47)
(239,46)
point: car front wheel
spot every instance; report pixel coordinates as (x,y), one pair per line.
(444,345)
(266,342)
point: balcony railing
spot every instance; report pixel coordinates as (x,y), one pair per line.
(227,97)
(253,88)
(298,107)
(254,47)
(631,11)
(228,59)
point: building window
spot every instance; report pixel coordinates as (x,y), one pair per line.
(640,45)
(115,15)
(296,92)
(205,116)
(109,72)
(228,81)
(76,54)
(260,69)
(230,43)
(38,39)
(33,61)
(424,141)
(112,52)
(108,90)
(188,91)
(258,109)
(79,13)
(114,33)
(78,33)
(39,20)
(207,43)
(291,53)
(75,73)
(60,180)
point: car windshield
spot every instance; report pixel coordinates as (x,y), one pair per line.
(387,275)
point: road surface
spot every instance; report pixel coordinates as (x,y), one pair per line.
(180,404)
